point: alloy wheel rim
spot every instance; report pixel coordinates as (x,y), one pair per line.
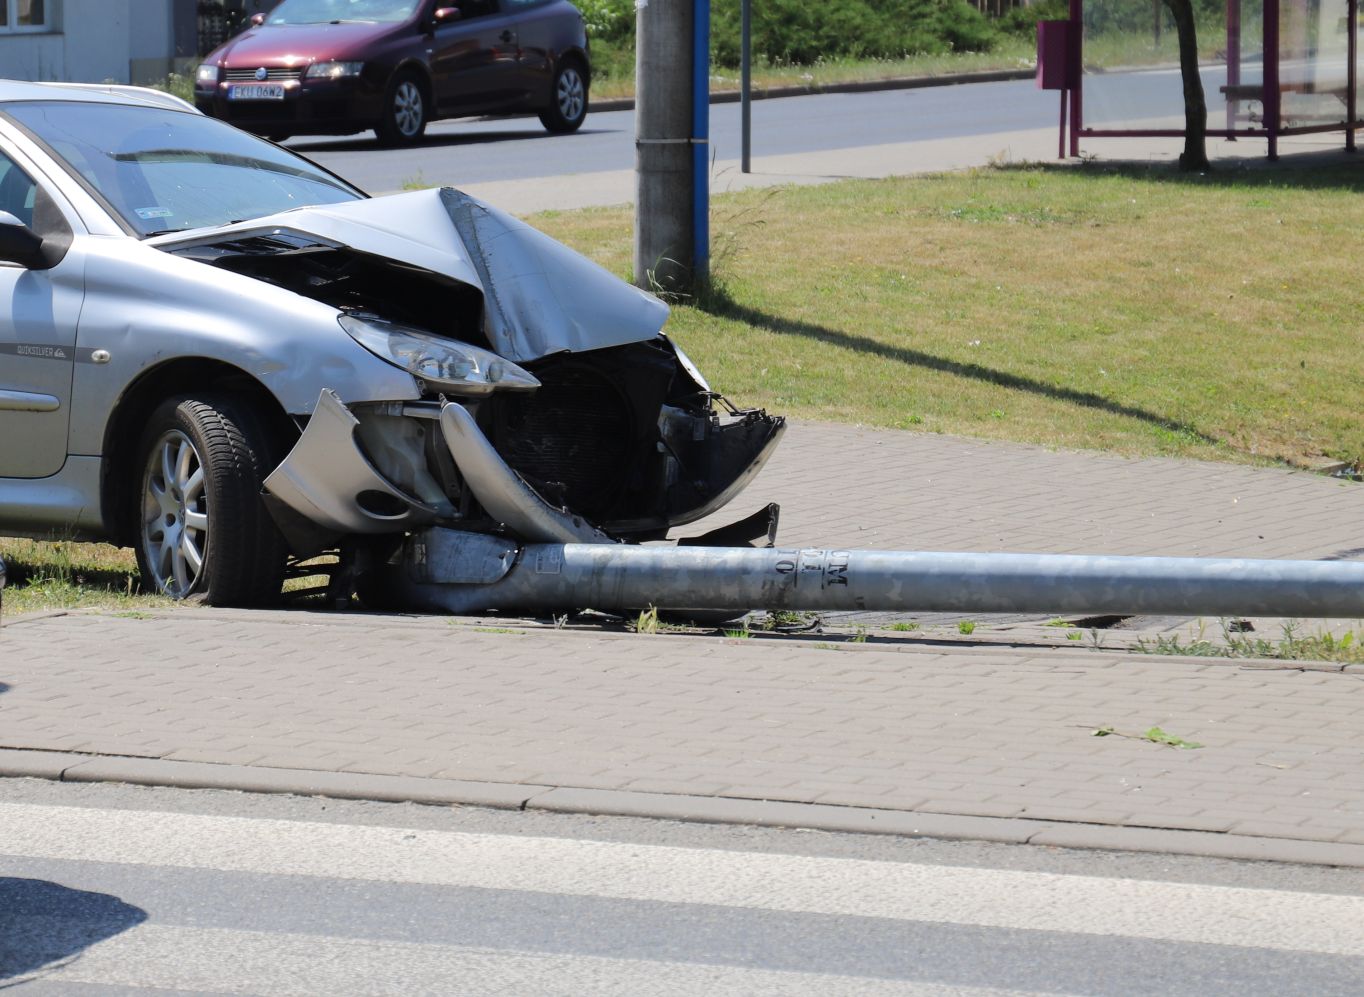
(570,94)
(175,515)
(407,108)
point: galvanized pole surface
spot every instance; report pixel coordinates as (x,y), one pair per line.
(664,217)
(558,577)
(746,83)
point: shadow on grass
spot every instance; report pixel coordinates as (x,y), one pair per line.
(719,303)
(1335,170)
(24,574)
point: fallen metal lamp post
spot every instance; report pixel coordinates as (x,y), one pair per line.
(469,573)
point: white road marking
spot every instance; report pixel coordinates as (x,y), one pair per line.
(1177,912)
(253,962)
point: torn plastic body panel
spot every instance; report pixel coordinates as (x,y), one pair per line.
(388,469)
(552,408)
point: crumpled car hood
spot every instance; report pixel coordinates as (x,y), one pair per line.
(540,297)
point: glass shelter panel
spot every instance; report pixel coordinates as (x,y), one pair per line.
(1314,37)
(1359,75)
(1131,60)
(1241,91)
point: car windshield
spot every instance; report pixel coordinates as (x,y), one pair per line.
(337,11)
(163,170)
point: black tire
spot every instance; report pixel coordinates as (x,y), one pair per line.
(240,553)
(567,98)
(405,112)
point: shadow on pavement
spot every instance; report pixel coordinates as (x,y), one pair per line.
(437,141)
(43,925)
(724,306)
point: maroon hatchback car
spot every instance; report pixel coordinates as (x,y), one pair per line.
(335,67)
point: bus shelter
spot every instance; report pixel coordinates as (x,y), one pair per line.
(1269,68)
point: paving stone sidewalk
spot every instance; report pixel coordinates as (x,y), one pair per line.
(900,723)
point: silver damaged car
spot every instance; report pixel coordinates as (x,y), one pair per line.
(224,356)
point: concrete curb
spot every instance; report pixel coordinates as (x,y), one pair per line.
(71,767)
(858,86)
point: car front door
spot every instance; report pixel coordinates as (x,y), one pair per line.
(38,313)
(539,29)
(474,62)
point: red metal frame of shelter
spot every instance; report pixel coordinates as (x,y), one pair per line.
(1269,92)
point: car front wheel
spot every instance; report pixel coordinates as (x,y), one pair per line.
(404,114)
(568,100)
(202,528)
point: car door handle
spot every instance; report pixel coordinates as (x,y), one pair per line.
(27,401)
(508,36)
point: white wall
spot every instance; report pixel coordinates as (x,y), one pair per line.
(33,57)
(96,35)
(94,41)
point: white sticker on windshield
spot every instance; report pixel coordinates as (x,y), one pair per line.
(154,212)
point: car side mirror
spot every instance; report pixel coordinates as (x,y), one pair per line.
(20,244)
(444,15)
(257,20)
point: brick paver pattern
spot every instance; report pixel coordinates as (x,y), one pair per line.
(914,726)
(967,732)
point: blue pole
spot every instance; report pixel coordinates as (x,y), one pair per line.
(746,82)
(700,139)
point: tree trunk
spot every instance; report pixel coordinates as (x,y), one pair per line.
(1195,155)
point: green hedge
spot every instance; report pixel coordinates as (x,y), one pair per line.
(787,32)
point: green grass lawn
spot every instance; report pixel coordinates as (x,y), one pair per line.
(66,575)
(1136,311)
(613,68)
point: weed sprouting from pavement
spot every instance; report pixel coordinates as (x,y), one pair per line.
(966,627)
(1153,734)
(1342,649)
(647,622)
(787,621)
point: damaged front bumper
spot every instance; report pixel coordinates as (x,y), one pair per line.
(396,468)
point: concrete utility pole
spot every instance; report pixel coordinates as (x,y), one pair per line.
(667,254)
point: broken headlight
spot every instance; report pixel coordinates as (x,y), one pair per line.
(445,365)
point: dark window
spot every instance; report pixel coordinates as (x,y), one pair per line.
(16,191)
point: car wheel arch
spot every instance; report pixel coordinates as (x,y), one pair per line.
(419,69)
(553,114)
(181,376)
(577,57)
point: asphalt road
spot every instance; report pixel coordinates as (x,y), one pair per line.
(469,151)
(112,889)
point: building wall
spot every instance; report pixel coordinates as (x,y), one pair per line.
(93,41)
